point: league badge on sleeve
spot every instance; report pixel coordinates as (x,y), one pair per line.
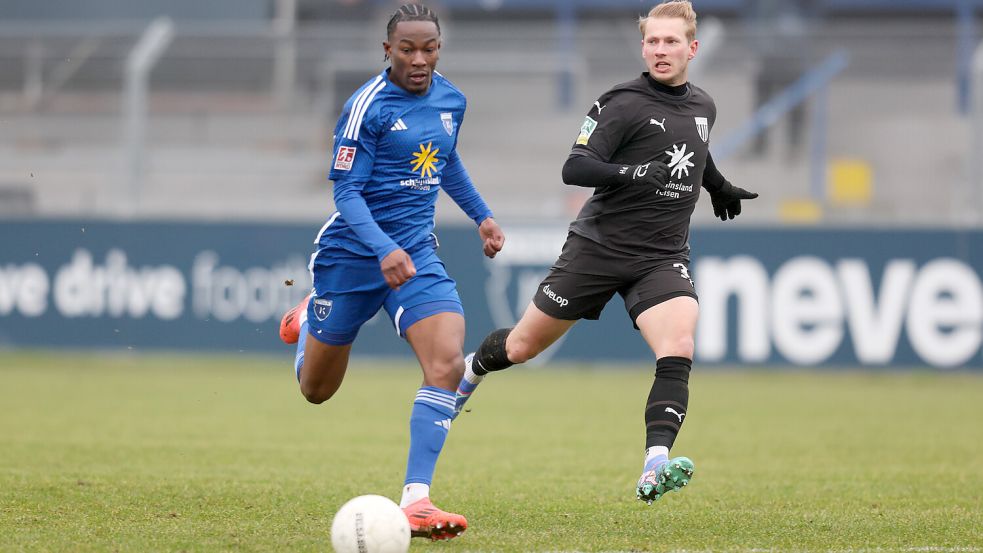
(586,130)
(346,156)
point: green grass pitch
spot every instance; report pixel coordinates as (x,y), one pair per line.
(106,452)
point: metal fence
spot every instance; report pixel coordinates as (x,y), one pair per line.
(238,117)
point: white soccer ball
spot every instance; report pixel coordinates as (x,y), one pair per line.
(370,524)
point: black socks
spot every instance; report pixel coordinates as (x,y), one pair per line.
(667,401)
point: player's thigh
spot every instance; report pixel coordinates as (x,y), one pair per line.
(668,327)
(581,281)
(334,319)
(534,332)
(431,291)
(348,291)
(664,307)
(324,369)
(437,341)
(427,311)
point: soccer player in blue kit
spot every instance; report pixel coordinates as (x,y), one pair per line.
(395,147)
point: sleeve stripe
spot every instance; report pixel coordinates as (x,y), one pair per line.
(358,104)
(360,107)
(365,108)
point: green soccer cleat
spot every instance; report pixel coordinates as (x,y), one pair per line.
(671,475)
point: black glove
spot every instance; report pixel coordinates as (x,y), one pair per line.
(653,173)
(726,200)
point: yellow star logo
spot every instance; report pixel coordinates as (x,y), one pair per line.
(425,161)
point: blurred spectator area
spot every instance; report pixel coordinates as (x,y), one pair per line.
(241,108)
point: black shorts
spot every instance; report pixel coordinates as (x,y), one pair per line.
(587,275)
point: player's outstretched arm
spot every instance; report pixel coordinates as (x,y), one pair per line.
(724,196)
(581,170)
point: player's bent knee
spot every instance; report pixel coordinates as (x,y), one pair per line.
(316,394)
(686,347)
(451,370)
(679,347)
(313,396)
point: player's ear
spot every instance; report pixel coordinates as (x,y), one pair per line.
(386,47)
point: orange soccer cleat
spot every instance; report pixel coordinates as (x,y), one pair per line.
(427,521)
(290,324)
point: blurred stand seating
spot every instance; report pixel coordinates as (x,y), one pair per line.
(220,146)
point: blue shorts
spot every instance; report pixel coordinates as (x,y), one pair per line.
(349,290)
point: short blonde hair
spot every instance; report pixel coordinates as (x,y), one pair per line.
(682,9)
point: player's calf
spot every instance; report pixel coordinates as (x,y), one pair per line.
(491,355)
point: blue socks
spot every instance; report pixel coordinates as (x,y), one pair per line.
(467,386)
(430,421)
(301,340)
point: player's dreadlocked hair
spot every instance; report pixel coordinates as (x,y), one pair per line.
(682,9)
(411,12)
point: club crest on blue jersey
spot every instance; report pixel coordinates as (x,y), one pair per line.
(322,308)
(447,118)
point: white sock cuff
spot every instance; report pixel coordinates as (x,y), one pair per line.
(413,492)
(471,377)
(656,451)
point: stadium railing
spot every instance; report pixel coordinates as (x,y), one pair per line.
(218,132)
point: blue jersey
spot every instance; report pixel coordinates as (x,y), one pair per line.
(393,151)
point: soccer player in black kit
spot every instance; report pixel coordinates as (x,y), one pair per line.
(644,148)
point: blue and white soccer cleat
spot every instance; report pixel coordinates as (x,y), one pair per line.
(665,477)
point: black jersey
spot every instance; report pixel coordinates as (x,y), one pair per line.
(631,124)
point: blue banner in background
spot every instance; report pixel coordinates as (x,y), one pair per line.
(148,285)
(768,296)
